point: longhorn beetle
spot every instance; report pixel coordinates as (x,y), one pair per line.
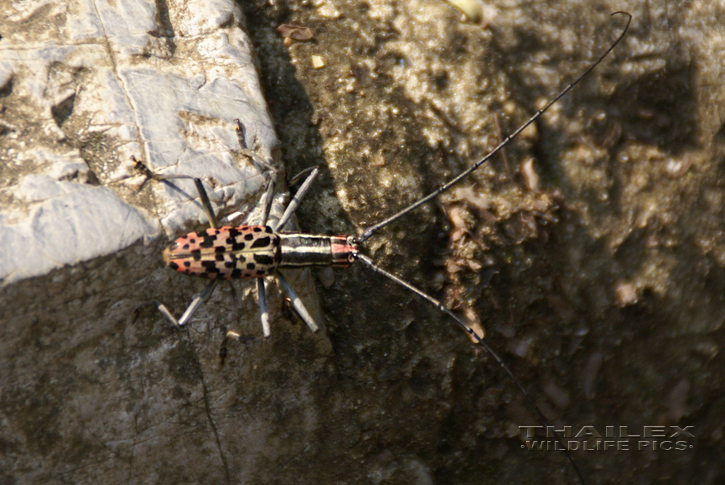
(260,248)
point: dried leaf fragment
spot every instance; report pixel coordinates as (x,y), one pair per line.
(295,32)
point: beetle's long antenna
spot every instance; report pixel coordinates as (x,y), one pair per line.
(369,263)
(372,229)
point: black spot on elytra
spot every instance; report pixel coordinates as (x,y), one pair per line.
(262,242)
(233,233)
(257,229)
(268,230)
(249,237)
(250,265)
(186,246)
(237,273)
(196,254)
(238,246)
(173,265)
(187,264)
(220,249)
(208,241)
(210,267)
(264,259)
(229,264)
(260,272)
(219,257)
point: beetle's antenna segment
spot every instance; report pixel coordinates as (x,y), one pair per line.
(369,231)
(370,264)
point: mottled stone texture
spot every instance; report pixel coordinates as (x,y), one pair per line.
(597,269)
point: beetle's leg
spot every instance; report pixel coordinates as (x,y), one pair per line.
(205,203)
(297,199)
(188,313)
(263,166)
(297,303)
(263,310)
(263,315)
(196,302)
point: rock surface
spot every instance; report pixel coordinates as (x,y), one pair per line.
(597,270)
(87,395)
